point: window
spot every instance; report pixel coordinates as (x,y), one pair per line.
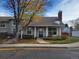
(29,31)
(14,23)
(52,31)
(2,25)
(14,30)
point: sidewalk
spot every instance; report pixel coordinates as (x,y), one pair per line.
(72,45)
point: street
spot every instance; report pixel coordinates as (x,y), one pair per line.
(40,53)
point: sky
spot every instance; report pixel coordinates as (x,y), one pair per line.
(70,9)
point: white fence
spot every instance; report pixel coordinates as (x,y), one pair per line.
(75,33)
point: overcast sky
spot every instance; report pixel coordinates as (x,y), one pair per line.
(70,9)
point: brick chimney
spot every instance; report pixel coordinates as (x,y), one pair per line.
(60,16)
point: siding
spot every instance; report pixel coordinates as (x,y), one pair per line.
(75,33)
(4,29)
(11,26)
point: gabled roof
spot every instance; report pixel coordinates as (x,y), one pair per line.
(45,21)
(5,18)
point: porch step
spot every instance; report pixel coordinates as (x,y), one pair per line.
(41,41)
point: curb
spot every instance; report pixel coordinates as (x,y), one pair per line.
(35,46)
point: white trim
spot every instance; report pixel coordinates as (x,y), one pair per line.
(21,34)
(34,32)
(46,31)
(59,30)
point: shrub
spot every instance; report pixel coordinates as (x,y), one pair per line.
(48,38)
(64,33)
(28,37)
(55,38)
(3,35)
(64,37)
(6,36)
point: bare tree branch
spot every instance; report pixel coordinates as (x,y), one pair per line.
(19,7)
(24,7)
(33,14)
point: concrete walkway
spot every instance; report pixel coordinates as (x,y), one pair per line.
(41,41)
(43,44)
(73,45)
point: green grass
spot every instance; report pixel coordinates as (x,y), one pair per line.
(21,41)
(69,40)
(32,41)
(2,40)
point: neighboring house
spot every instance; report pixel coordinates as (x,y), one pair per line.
(66,30)
(7,25)
(46,27)
(74,32)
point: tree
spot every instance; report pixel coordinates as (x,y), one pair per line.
(66,25)
(24,11)
(77,26)
(75,23)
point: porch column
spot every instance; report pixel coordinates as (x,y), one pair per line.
(59,31)
(46,31)
(21,34)
(34,32)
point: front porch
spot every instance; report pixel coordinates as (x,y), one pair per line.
(43,32)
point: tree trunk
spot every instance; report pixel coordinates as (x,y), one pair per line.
(17,31)
(17,35)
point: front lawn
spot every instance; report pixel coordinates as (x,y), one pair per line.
(50,41)
(26,41)
(66,41)
(2,40)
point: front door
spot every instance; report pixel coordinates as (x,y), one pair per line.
(40,33)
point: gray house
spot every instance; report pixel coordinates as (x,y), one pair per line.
(7,25)
(47,27)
